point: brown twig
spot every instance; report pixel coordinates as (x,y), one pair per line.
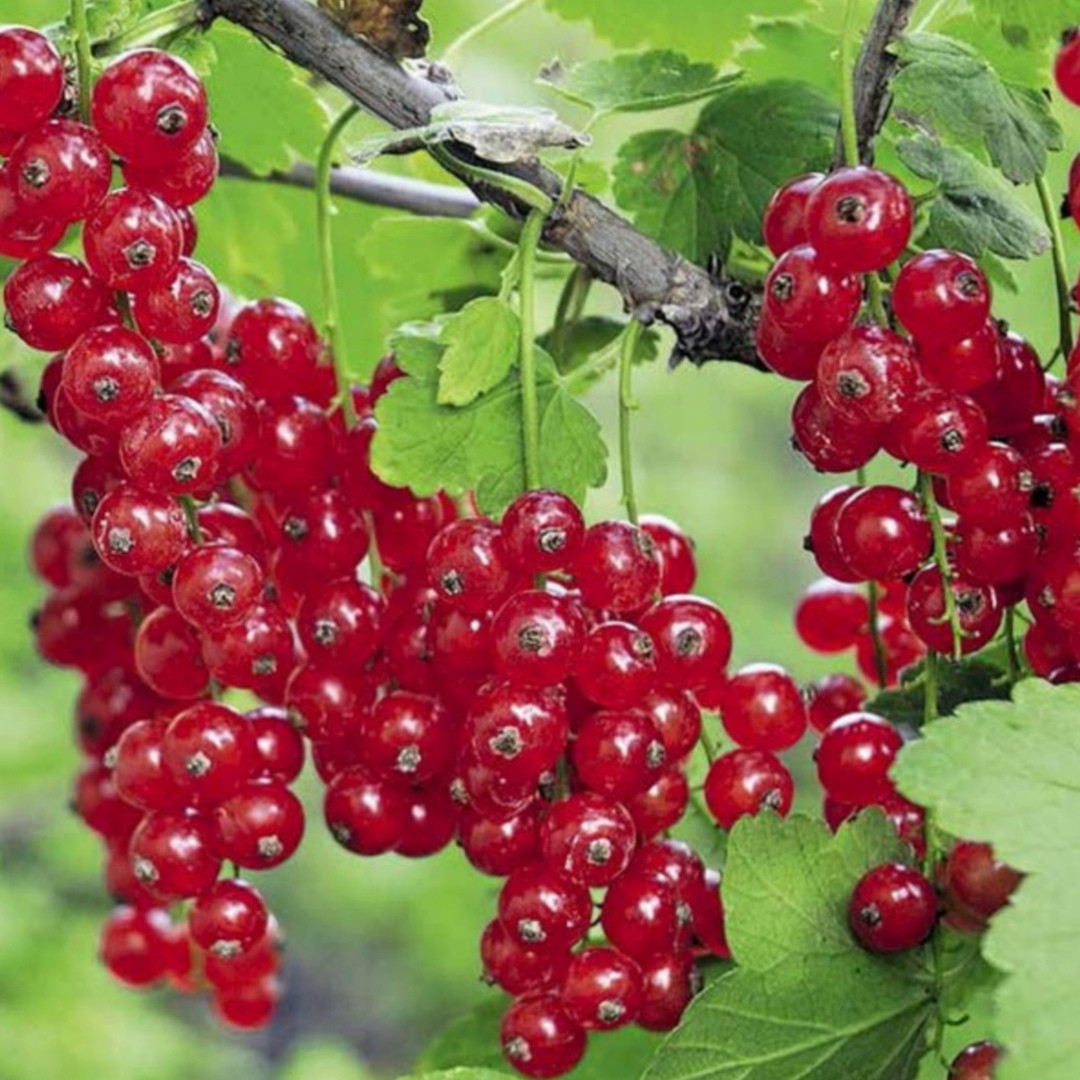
(15,399)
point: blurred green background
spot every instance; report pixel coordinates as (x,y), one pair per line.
(382,952)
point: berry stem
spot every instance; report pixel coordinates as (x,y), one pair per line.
(572,301)
(1061,269)
(191,516)
(81,30)
(873,605)
(530,402)
(490,22)
(627,405)
(1012,653)
(155,26)
(708,745)
(848,125)
(324,211)
(941,558)
(531,196)
(930,688)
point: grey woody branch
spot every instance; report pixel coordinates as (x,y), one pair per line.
(713,318)
(375,188)
(873,70)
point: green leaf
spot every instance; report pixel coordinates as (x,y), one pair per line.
(820,1018)
(1012,55)
(805,1002)
(481,346)
(947,85)
(707,30)
(1008,773)
(579,341)
(635,82)
(974,210)
(474,1040)
(108,18)
(427,446)
(1036,22)
(791,49)
(968,680)
(265,114)
(693,192)
(787,884)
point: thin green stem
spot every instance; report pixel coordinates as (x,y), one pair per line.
(708,745)
(324,211)
(848,128)
(530,401)
(375,569)
(153,27)
(1061,269)
(627,405)
(941,558)
(881,670)
(930,688)
(876,295)
(496,18)
(571,305)
(1011,651)
(81,29)
(935,10)
(191,516)
(520,189)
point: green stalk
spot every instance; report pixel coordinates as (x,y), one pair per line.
(1012,652)
(325,234)
(1061,269)
(81,30)
(477,30)
(191,516)
(930,688)
(520,189)
(530,401)
(571,305)
(155,26)
(627,405)
(848,130)
(941,558)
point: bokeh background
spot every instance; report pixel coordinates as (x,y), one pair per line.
(381,952)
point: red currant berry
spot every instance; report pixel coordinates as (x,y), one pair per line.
(975,1062)
(1067,68)
(110,374)
(365,814)
(260,826)
(182,181)
(692,640)
(619,754)
(602,989)
(517,732)
(174,856)
(408,737)
(542,531)
(892,908)
(539,1037)
(588,838)
(784,223)
(978,880)
(883,532)
(669,983)
(867,375)
(831,696)
(617,568)
(807,300)
(136,532)
(854,758)
(61,171)
(761,707)
(210,751)
(278,745)
(468,564)
(229,919)
(674,549)
(616,666)
(31,78)
(514,968)
(537,638)
(830,616)
(539,906)
(138,947)
(830,441)
(941,297)
(744,782)
(977,608)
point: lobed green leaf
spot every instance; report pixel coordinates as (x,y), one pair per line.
(482,341)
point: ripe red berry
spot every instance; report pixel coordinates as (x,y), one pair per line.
(272,348)
(784,223)
(408,737)
(136,532)
(691,638)
(867,374)
(514,968)
(500,847)
(173,447)
(831,615)
(539,906)
(762,708)
(260,826)
(619,754)
(883,533)
(831,696)
(215,586)
(181,308)
(978,611)
(938,431)
(977,1061)
(587,837)
(617,568)
(517,732)
(133,240)
(542,531)
(644,916)
(807,300)
(669,983)
(616,665)
(1067,67)
(60,170)
(31,78)
(365,814)
(537,638)
(977,879)
(468,564)
(138,946)
(854,758)
(859,220)
(210,751)
(941,297)
(830,441)
(674,549)
(229,919)
(110,374)
(182,181)
(602,989)
(174,856)
(745,782)
(892,908)
(148,106)
(539,1037)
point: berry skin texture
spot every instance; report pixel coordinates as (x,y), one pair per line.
(148,106)
(867,375)
(1067,68)
(882,533)
(602,989)
(133,240)
(617,568)
(830,441)
(645,916)
(859,220)
(977,1061)
(52,299)
(180,309)
(830,616)
(977,880)
(762,708)
(110,374)
(542,531)
(588,838)
(135,532)
(619,754)
(674,549)
(808,301)
(210,751)
(515,969)
(138,947)
(854,758)
(61,170)
(468,564)
(539,906)
(892,908)
(540,1038)
(272,347)
(31,78)
(616,665)
(215,586)
(364,814)
(669,984)
(745,782)
(941,297)
(692,640)
(537,638)
(260,826)
(784,224)
(174,857)
(228,919)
